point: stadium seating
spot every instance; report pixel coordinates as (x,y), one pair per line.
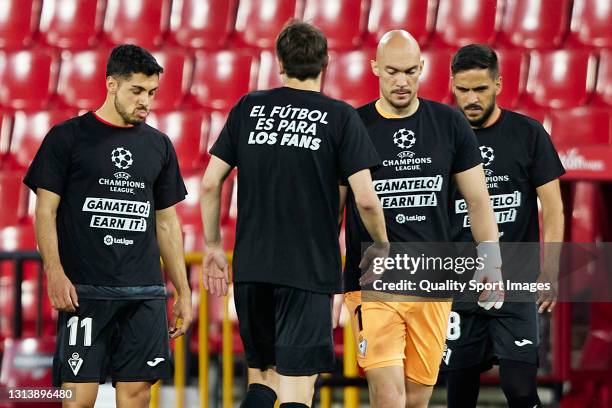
(18,22)
(462,22)
(417,17)
(188,131)
(259,21)
(174,81)
(217,121)
(560,79)
(202,23)
(27,363)
(590,24)
(342,21)
(603,89)
(189,213)
(141,22)
(27,78)
(29,129)
(535,23)
(512,68)
(269,72)
(12,197)
(435,81)
(71,24)
(349,77)
(579,126)
(221,78)
(81,81)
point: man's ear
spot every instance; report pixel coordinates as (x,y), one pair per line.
(374,66)
(112,84)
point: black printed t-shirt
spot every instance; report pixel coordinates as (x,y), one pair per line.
(111,181)
(291,148)
(518,156)
(419,155)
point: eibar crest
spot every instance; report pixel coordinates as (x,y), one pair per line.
(75,363)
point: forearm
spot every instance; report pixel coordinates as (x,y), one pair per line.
(170,242)
(553,226)
(210,205)
(46,238)
(373,220)
(482,220)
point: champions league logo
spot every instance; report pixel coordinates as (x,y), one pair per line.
(487,158)
(404,139)
(122,158)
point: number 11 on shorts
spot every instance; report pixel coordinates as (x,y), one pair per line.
(73,324)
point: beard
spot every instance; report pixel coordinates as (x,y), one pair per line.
(125,115)
(477,123)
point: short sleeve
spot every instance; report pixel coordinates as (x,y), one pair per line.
(50,167)
(226,145)
(169,188)
(357,152)
(467,153)
(546,165)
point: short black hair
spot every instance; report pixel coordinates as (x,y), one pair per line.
(302,49)
(475,56)
(128,59)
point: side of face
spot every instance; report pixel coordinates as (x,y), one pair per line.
(475,91)
(134,95)
(398,72)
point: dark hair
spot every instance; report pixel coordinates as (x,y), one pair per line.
(302,49)
(475,56)
(128,59)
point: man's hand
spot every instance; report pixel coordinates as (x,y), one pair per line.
(547,299)
(62,293)
(337,302)
(216,272)
(181,316)
(490,273)
(376,250)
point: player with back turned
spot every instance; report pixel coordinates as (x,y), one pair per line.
(106,186)
(291,146)
(521,163)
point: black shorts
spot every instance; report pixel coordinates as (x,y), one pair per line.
(477,337)
(126,339)
(285,327)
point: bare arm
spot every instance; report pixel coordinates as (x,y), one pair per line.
(343,190)
(62,293)
(170,243)
(553,225)
(216,267)
(473,188)
(368,205)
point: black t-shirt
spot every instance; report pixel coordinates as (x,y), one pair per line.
(518,156)
(419,155)
(111,181)
(291,148)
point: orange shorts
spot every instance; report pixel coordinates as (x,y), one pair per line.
(410,334)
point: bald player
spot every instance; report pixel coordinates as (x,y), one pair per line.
(400,344)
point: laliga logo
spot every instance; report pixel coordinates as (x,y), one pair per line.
(108,240)
(487,155)
(404,138)
(122,158)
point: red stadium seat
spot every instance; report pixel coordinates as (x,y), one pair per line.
(27,79)
(269,72)
(174,81)
(13,198)
(581,126)
(141,22)
(221,78)
(259,21)
(5,136)
(202,23)
(189,213)
(462,22)
(188,131)
(82,79)
(71,24)
(29,129)
(217,121)
(535,23)
(417,17)
(560,79)
(18,22)
(349,77)
(435,81)
(342,21)
(603,89)
(590,23)
(512,68)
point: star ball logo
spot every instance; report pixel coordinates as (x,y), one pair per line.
(487,154)
(122,158)
(404,138)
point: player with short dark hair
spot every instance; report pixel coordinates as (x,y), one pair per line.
(291,146)
(520,161)
(106,186)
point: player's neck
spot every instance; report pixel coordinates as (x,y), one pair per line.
(495,115)
(108,113)
(310,84)
(386,109)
